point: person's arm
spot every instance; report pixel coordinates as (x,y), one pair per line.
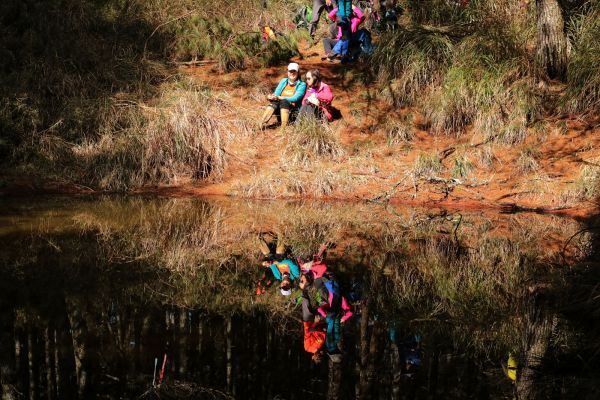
(294,270)
(280,87)
(347,310)
(359,17)
(299,94)
(325,95)
(331,14)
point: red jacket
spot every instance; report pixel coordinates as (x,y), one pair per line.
(314,336)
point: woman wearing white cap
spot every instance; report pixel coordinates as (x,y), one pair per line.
(286,97)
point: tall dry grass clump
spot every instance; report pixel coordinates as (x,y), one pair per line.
(181,138)
(472,68)
(583,73)
(311,139)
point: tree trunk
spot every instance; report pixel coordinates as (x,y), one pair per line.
(551,39)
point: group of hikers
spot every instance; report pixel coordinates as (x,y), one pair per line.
(317,292)
(294,98)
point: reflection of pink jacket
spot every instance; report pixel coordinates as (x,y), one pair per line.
(357,18)
(325,97)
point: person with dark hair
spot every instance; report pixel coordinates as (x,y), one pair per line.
(286,98)
(335,311)
(317,99)
(313,296)
(338,47)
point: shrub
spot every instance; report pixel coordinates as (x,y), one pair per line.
(408,61)
(583,73)
(183,138)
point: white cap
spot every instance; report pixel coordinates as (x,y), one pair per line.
(286,292)
(293,67)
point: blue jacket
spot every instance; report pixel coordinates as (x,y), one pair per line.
(344,9)
(287,265)
(298,94)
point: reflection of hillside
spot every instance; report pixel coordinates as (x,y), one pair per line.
(108,283)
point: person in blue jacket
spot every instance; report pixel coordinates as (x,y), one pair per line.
(286,98)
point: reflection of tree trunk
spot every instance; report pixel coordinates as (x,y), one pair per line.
(335,380)
(49,362)
(551,39)
(79,334)
(182,345)
(31,365)
(229,338)
(368,350)
(538,331)
(7,355)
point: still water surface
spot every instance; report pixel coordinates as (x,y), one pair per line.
(96,295)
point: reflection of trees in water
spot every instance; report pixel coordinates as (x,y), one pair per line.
(470,296)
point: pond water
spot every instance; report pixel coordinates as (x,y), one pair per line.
(127,298)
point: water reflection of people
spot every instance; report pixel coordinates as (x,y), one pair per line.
(281,265)
(336,311)
(313,296)
(409,350)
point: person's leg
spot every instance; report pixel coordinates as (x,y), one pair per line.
(284,107)
(269,110)
(328,45)
(280,250)
(264,247)
(307,315)
(318,7)
(332,334)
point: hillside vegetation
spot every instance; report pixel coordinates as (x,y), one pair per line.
(93,92)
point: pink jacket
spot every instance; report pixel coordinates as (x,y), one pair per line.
(325,97)
(357,18)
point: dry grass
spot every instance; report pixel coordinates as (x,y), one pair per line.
(587,185)
(296,182)
(309,140)
(427,165)
(528,161)
(400,130)
(182,138)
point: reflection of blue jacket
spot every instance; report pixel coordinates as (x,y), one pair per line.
(286,266)
(298,94)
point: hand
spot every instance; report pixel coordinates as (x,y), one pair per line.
(271,97)
(328,3)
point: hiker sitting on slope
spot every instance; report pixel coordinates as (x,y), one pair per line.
(318,97)
(339,45)
(286,98)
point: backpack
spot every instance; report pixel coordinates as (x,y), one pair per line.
(303,17)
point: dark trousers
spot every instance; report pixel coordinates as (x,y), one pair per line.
(277,105)
(310,111)
(317,10)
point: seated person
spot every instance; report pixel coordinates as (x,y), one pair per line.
(318,97)
(286,98)
(285,271)
(339,45)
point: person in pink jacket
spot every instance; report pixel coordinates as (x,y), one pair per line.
(317,99)
(339,46)
(357,18)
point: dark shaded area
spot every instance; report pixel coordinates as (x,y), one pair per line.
(62,62)
(77,325)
